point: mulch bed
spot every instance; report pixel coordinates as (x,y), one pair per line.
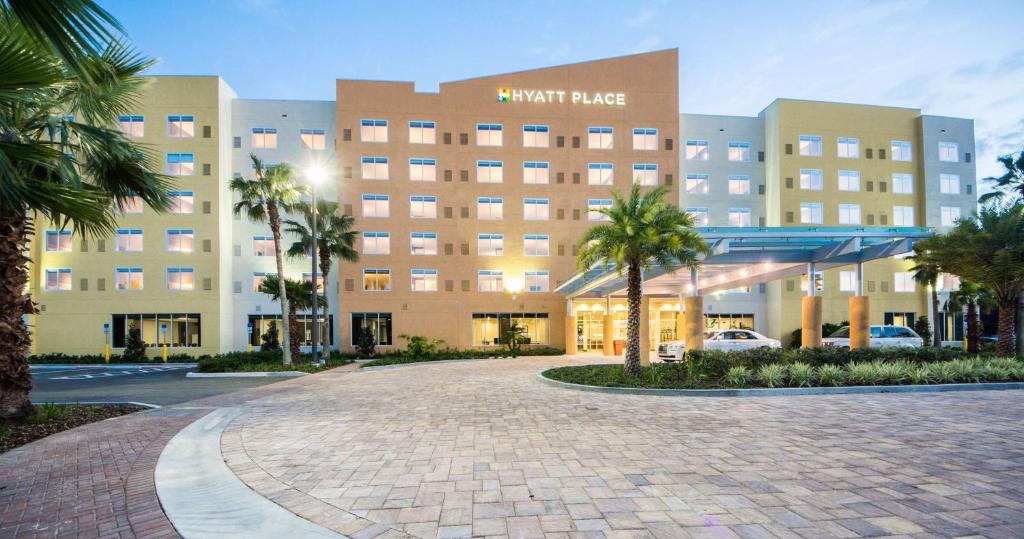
(51,419)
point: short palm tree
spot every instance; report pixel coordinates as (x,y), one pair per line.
(263,199)
(64,79)
(973,299)
(334,239)
(927,274)
(298,296)
(1011,183)
(642,229)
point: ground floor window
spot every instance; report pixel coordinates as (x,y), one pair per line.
(378,323)
(952,326)
(900,319)
(174,330)
(261,324)
(728,321)
(489,327)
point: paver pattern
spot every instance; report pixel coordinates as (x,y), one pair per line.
(483,449)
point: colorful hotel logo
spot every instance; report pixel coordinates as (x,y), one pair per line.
(504,95)
(520,95)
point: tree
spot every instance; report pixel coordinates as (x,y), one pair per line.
(642,229)
(134,346)
(299,296)
(987,250)
(366,342)
(927,274)
(64,77)
(269,340)
(335,239)
(513,337)
(263,199)
(1010,183)
(976,299)
(923,327)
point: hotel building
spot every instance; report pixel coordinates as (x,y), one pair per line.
(470,202)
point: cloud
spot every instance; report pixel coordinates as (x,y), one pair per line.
(641,18)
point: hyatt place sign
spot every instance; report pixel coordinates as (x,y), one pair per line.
(519,95)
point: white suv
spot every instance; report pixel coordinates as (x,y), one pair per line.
(881,337)
(729,339)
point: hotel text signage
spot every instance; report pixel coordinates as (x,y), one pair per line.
(575,97)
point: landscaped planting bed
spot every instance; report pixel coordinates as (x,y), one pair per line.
(266,361)
(420,356)
(49,419)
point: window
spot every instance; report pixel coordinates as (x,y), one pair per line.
(131,204)
(810,179)
(263,246)
(600,138)
(257,280)
(488,328)
(904,281)
(376,243)
(903,216)
(739,216)
(307,277)
(423,243)
(182,202)
(378,206)
(424,280)
(696,150)
(58,279)
(849,214)
(849,180)
(645,138)
(180,279)
(810,145)
(129,240)
(536,281)
(181,126)
(132,126)
(535,209)
(489,208)
(700,216)
(180,241)
(847,281)
(375,168)
(181,164)
(535,172)
(312,139)
(949,184)
(600,174)
(848,148)
(58,241)
(696,184)
(739,185)
(949,152)
(264,137)
(421,132)
(811,213)
(739,151)
(423,207)
(902,184)
(373,130)
(489,172)
(645,174)
(490,244)
(174,330)
(488,134)
(819,281)
(594,207)
(950,215)
(535,136)
(128,279)
(376,280)
(902,151)
(489,281)
(535,245)
(379,325)
(422,170)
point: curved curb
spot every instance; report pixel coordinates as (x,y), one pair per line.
(203,498)
(133,403)
(254,374)
(782,391)
(439,362)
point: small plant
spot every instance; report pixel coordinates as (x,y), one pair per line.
(269,341)
(513,337)
(46,412)
(924,328)
(420,346)
(894,373)
(831,375)
(367,342)
(921,375)
(772,375)
(738,376)
(801,375)
(134,346)
(863,374)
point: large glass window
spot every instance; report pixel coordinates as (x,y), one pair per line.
(535,172)
(696,150)
(423,207)
(595,206)
(379,325)
(645,174)
(949,152)
(58,241)
(488,135)
(181,126)
(810,179)
(903,215)
(700,216)
(902,150)
(180,241)
(128,279)
(261,323)
(264,137)
(739,185)
(422,132)
(904,281)
(849,214)
(128,240)
(949,184)
(312,139)
(535,209)
(58,279)
(902,184)
(535,136)
(376,280)
(181,164)
(645,138)
(536,281)
(739,151)
(422,170)
(490,244)
(696,184)
(182,202)
(375,168)
(600,138)
(131,204)
(174,330)
(600,174)
(949,215)
(810,145)
(535,245)
(488,328)
(376,206)
(258,278)
(263,246)
(423,243)
(376,243)
(847,281)
(489,281)
(811,213)
(848,148)
(132,126)
(489,172)
(180,279)
(373,130)
(849,180)
(739,216)
(424,280)
(489,208)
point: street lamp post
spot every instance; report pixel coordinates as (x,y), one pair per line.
(316,176)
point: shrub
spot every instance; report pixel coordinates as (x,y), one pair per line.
(367,342)
(801,374)
(772,375)
(738,376)
(894,373)
(420,346)
(831,375)
(134,346)
(921,375)
(863,374)
(269,340)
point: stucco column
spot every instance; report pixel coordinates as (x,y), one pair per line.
(645,331)
(810,321)
(693,322)
(860,322)
(570,329)
(609,335)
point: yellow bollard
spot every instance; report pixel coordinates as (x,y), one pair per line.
(165,352)
(106,352)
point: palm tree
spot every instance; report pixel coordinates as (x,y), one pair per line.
(334,235)
(298,295)
(642,229)
(1010,183)
(987,250)
(271,192)
(974,299)
(927,274)
(57,59)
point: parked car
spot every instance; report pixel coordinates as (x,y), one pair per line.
(881,337)
(726,339)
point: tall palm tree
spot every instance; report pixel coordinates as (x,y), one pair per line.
(263,199)
(974,299)
(988,250)
(642,229)
(58,59)
(334,239)
(927,274)
(298,296)
(1011,183)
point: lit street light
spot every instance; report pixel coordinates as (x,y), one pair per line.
(316,175)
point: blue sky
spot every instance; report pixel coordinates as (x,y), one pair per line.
(961,59)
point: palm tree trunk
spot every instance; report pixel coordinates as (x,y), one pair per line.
(1006,345)
(936,337)
(973,333)
(15,342)
(633,293)
(325,270)
(286,334)
(295,338)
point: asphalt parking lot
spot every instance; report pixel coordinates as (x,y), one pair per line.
(151,384)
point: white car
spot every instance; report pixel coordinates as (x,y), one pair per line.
(726,339)
(881,337)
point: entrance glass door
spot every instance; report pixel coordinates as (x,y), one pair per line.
(590,330)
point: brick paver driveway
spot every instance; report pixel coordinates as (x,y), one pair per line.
(484,449)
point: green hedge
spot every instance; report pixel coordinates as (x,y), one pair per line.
(86,359)
(265,361)
(395,358)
